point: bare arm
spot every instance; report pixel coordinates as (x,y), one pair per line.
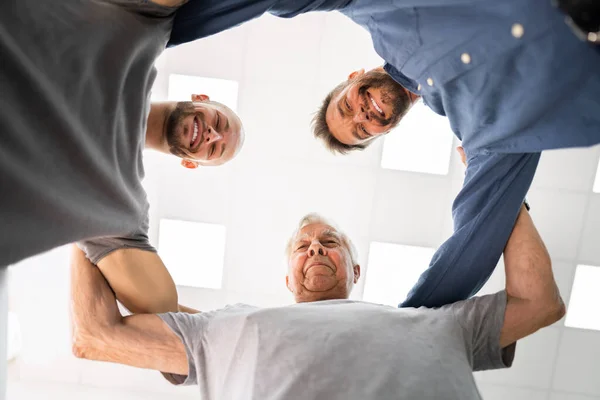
(140,281)
(101,333)
(533,300)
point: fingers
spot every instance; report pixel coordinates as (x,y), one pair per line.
(463,156)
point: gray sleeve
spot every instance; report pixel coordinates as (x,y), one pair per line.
(190,329)
(98,248)
(481,319)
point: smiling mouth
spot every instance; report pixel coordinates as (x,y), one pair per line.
(197,134)
(375,105)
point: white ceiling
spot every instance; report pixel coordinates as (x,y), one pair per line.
(284,68)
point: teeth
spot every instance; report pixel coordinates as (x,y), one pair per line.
(376,106)
(195,131)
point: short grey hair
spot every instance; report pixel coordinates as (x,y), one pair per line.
(314,218)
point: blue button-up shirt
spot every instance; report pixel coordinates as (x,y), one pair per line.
(510,76)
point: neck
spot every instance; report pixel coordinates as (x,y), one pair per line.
(157,120)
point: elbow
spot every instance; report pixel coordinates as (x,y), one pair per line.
(82,348)
(554,311)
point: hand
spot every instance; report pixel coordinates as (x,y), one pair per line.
(463,156)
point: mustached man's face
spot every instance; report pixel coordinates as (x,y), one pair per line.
(370,105)
(203,132)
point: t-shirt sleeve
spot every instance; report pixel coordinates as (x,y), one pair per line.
(98,248)
(190,329)
(481,319)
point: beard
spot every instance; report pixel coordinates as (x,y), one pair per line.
(175,130)
(392,93)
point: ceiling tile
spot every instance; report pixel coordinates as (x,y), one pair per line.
(590,238)
(568,169)
(500,392)
(409,208)
(558,216)
(207,57)
(578,362)
(392,270)
(584,301)
(533,364)
(193,252)
(422,142)
(571,396)
(289,46)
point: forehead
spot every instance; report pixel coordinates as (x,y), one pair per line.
(340,127)
(316,230)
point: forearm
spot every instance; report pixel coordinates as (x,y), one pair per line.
(527,263)
(142,341)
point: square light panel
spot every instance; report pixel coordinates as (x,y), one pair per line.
(597,180)
(392,270)
(422,142)
(182,87)
(193,252)
(585,299)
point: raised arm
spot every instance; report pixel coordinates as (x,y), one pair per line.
(484,214)
(101,333)
(533,300)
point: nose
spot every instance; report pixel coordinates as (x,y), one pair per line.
(212,136)
(362,114)
(316,248)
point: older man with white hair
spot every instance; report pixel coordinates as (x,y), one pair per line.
(326,346)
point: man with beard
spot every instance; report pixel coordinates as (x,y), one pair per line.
(326,346)
(202,133)
(75,82)
(514,78)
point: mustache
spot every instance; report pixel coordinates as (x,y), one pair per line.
(174,128)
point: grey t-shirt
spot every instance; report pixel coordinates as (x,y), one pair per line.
(75,80)
(342,349)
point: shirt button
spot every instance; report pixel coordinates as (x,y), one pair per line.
(419,86)
(465,58)
(517,30)
(430,81)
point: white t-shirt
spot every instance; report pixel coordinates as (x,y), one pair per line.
(342,349)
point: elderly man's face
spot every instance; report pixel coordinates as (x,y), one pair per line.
(320,266)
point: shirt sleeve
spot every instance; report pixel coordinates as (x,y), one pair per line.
(484,215)
(98,248)
(199,19)
(190,329)
(481,319)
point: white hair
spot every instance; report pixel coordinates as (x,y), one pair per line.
(314,218)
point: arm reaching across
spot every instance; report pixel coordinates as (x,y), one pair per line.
(484,215)
(101,333)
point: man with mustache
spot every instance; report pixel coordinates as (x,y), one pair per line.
(75,116)
(514,78)
(201,133)
(326,346)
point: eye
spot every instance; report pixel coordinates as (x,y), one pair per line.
(362,128)
(218,121)
(347,104)
(301,247)
(330,243)
(211,151)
